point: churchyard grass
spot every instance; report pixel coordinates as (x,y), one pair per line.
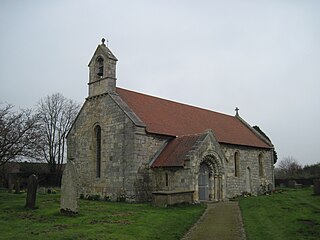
(96,219)
(290,214)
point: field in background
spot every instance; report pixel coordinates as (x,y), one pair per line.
(290,214)
(96,220)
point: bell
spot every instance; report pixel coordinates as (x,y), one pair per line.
(100,71)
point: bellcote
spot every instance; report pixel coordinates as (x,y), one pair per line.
(102,71)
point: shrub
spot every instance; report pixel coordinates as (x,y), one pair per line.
(121,196)
(93,197)
(107,198)
(96,197)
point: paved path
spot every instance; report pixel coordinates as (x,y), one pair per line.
(221,221)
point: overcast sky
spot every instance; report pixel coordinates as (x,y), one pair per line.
(260,56)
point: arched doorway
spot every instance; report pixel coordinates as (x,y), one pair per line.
(210,179)
(203,182)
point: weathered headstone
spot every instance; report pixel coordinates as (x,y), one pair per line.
(69,190)
(316,186)
(42,190)
(292,184)
(10,184)
(32,191)
(17,186)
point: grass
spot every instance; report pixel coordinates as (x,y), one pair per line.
(96,220)
(289,215)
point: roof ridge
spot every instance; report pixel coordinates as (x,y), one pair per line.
(170,118)
(173,101)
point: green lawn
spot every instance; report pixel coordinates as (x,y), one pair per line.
(96,220)
(290,215)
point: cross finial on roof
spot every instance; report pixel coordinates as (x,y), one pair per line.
(103,40)
(237,111)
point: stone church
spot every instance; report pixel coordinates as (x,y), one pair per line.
(132,145)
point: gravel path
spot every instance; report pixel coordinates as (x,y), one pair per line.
(221,221)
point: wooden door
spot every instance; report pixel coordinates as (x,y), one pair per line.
(203,182)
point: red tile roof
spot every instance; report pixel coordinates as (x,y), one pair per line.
(174,154)
(166,117)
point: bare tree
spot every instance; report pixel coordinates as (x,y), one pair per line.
(18,133)
(56,115)
(289,167)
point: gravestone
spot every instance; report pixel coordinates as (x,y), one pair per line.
(32,191)
(292,184)
(282,185)
(316,186)
(17,186)
(10,184)
(69,190)
(42,190)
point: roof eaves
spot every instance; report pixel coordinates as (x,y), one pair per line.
(173,167)
(160,133)
(254,131)
(244,145)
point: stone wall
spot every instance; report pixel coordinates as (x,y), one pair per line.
(146,146)
(178,179)
(114,124)
(125,155)
(167,198)
(248,158)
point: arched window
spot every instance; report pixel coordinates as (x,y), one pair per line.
(97,134)
(260,165)
(167,179)
(99,68)
(236,164)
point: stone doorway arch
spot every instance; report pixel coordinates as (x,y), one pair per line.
(203,182)
(210,179)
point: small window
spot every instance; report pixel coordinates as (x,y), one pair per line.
(97,131)
(260,160)
(167,179)
(236,164)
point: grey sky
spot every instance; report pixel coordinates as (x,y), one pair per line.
(262,56)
